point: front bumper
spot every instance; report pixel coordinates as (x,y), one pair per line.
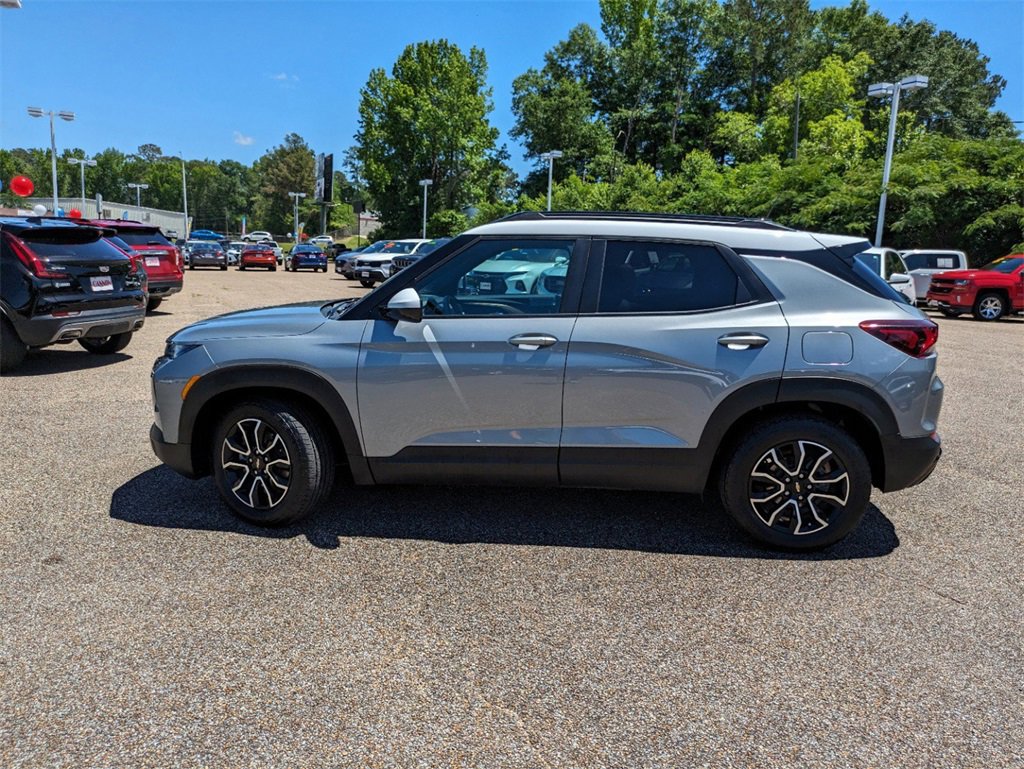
(177,456)
(909,461)
(371,273)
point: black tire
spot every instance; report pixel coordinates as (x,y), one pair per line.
(191,266)
(223,267)
(107,345)
(273,268)
(347,277)
(989,306)
(12,349)
(366,283)
(325,269)
(949,313)
(241,268)
(831,468)
(303,458)
(153,303)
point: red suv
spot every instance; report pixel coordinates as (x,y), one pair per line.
(995,290)
(160,258)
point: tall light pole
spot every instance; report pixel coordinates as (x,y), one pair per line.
(424,183)
(550,157)
(63,115)
(82,163)
(911,83)
(138,192)
(296,196)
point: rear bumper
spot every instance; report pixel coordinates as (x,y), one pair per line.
(177,456)
(43,330)
(909,461)
(164,286)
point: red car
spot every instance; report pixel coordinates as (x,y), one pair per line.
(995,290)
(258,256)
(161,260)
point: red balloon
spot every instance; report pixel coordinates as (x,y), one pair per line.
(22,186)
(74,213)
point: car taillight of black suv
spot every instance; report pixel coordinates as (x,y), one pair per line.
(60,282)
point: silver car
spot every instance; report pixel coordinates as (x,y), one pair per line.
(674,353)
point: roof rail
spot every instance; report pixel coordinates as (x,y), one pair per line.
(640,216)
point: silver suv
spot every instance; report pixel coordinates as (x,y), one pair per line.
(676,353)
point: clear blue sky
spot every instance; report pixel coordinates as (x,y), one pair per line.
(229,79)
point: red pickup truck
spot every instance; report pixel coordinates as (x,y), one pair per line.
(995,290)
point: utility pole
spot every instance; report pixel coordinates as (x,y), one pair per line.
(296,196)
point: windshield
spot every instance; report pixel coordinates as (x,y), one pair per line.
(137,237)
(397,247)
(1005,265)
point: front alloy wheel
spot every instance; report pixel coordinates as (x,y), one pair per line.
(989,307)
(256,464)
(272,461)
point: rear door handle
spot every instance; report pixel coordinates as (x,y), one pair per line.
(742,341)
(532,341)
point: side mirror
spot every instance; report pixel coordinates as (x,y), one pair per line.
(406,305)
(899,279)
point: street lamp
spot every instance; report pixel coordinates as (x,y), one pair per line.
(82,163)
(184,193)
(911,83)
(424,183)
(296,196)
(138,192)
(63,115)
(550,157)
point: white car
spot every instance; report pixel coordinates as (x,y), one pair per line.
(890,266)
(234,250)
(278,253)
(257,236)
(321,240)
(922,263)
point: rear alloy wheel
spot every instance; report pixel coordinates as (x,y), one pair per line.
(989,306)
(797,483)
(153,303)
(12,349)
(273,464)
(107,345)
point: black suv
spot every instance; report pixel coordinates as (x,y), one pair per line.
(61,282)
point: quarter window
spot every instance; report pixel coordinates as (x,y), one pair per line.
(665,277)
(499,277)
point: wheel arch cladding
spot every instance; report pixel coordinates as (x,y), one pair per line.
(212,395)
(849,405)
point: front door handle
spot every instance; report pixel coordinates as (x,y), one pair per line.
(532,341)
(742,341)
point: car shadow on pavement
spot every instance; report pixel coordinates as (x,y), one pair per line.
(587,518)
(56,361)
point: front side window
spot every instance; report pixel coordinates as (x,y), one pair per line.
(659,276)
(499,277)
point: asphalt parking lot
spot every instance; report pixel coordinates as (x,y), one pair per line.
(143,626)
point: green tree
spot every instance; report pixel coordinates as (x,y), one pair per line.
(289,167)
(427,120)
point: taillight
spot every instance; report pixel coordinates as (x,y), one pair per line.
(181,259)
(28,258)
(914,337)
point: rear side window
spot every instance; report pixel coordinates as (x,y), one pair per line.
(661,276)
(931,261)
(143,238)
(877,284)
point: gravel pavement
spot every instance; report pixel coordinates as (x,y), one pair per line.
(143,626)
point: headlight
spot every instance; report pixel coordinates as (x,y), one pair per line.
(961,282)
(176,349)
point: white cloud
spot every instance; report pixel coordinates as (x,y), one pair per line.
(279,76)
(241,138)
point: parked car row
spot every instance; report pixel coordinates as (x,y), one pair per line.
(377,262)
